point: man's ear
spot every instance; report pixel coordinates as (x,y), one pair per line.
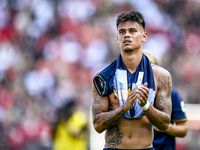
(117,40)
(144,37)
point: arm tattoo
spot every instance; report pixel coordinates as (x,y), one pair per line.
(157,121)
(112,117)
(160,117)
(110,107)
(96,110)
(165,92)
(104,114)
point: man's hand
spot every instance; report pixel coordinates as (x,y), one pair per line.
(131,99)
(142,94)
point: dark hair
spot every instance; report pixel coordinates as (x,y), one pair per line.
(66,108)
(62,111)
(130,16)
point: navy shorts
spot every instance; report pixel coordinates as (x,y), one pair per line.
(129,149)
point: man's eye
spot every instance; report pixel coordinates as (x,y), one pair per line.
(122,32)
(132,31)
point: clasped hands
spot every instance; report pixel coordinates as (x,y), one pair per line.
(141,92)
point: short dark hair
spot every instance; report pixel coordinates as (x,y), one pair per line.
(134,16)
(66,108)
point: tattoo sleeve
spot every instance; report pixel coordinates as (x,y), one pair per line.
(104,115)
(160,115)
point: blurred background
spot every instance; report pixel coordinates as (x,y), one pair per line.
(51,49)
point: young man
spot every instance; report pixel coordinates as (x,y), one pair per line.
(130,96)
(177,127)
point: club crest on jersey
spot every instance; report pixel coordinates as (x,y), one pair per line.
(101,83)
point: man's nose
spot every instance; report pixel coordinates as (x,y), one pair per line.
(127,34)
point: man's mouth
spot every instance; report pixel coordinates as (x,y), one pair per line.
(127,41)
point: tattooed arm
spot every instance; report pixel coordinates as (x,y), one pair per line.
(160,115)
(102,117)
(104,114)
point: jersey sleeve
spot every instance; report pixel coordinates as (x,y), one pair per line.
(178,107)
(103,81)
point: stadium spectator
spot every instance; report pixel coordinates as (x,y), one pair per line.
(71,130)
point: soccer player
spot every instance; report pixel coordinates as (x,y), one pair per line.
(177,127)
(130,96)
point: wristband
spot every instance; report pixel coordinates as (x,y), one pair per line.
(146,106)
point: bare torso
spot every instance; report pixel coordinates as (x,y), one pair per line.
(123,133)
(128,133)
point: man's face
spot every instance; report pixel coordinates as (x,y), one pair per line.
(130,36)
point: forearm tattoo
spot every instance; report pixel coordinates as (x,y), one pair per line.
(102,118)
(112,117)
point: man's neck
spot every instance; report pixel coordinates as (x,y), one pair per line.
(131,60)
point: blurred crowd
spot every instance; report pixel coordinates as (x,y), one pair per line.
(50,50)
